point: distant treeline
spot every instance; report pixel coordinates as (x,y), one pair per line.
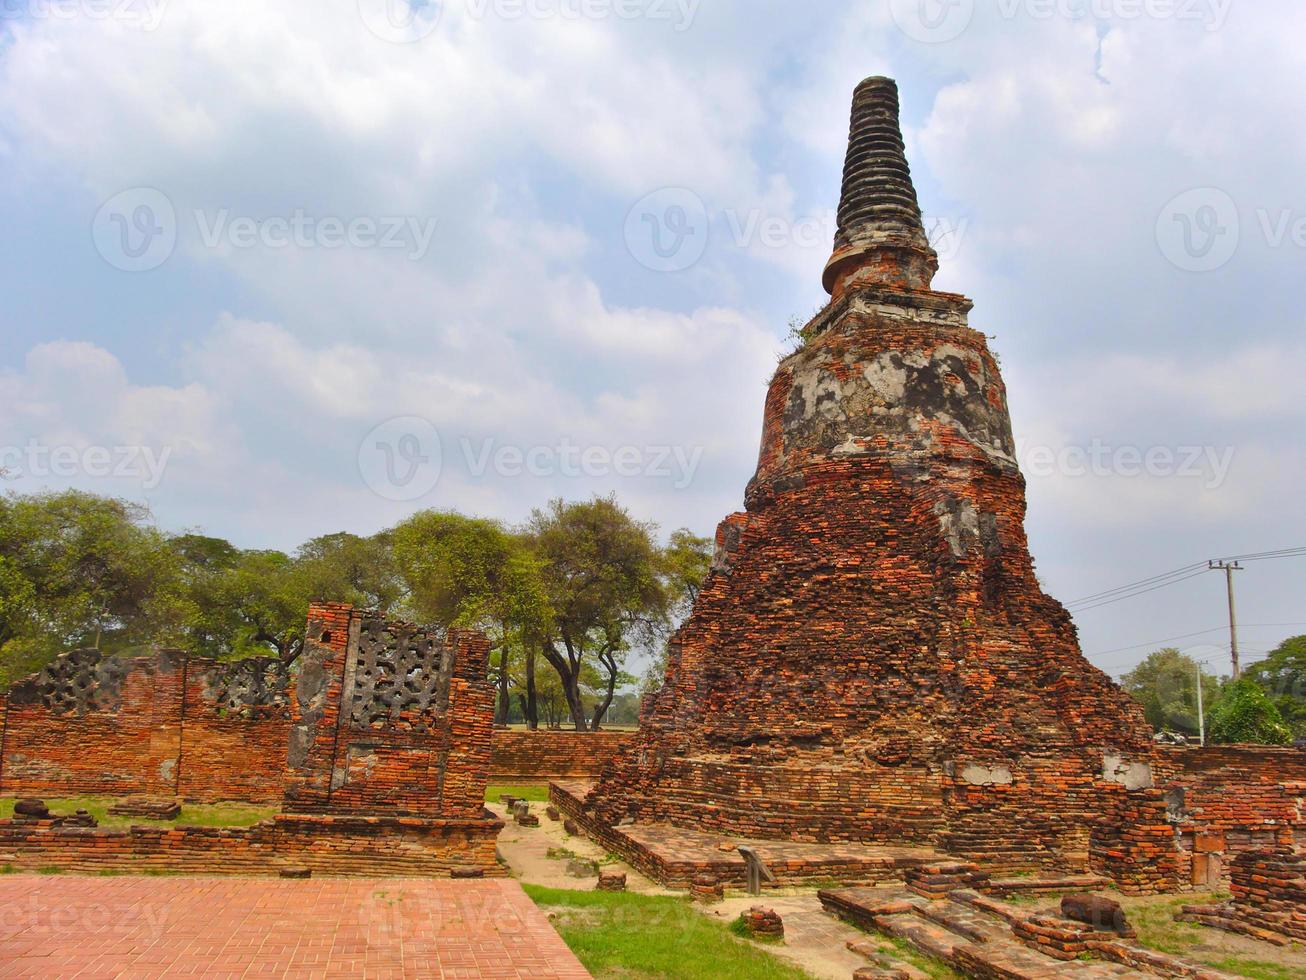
(565,598)
(1266,705)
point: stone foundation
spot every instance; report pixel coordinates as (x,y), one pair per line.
(535,757)
(1269,898)
(171,725)
(330,846)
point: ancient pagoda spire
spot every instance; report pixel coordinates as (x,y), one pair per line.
(881,239)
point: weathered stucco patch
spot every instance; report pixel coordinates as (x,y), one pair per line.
(1130,775)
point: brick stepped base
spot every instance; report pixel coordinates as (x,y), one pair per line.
(986,938)
(801,801)
(1004,887)
(1269,899)
(332,846)
(675,856)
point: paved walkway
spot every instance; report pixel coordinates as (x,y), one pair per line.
(63,926)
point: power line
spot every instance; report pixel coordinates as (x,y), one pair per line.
(1186,636)
(1131,585)
(1167,579)
(1135,594)
(1264,555)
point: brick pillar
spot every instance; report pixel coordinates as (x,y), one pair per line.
(315,705)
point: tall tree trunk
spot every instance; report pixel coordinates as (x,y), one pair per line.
(501,715)
(606,703)
(568,667)
(532,705)
(571,685)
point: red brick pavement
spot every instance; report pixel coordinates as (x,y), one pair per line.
(132,927)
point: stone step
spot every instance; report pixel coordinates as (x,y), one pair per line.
(931,939)
(967,923)
(970,931)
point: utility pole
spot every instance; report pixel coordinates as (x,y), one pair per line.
(1229,568)
(1201,711)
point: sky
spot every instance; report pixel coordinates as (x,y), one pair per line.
(283,269)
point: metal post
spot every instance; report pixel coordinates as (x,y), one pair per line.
(1201,712)
(1229,568)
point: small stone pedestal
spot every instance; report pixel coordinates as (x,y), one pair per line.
(707,889)
(611,881)
(763,923)
(935,881)
(147,807)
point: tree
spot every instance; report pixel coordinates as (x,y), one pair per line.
(686,560)
(1166,686)
(603,579)
(1282,675)
(79,570)
(344,567)
(1245,714)
(472,572)
(258,606)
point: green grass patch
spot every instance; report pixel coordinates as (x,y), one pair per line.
(192,814)
(538,793)
(931,967)
(1256,969)
(1026,898)
(50,869)
(622,935)
(1158,930)
(8,869)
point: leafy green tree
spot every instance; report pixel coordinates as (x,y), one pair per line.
(604,580)
(344,567)
(1282,675)
(204,561)
(79,570)
(259,606)
(255,603)
(1245,714)
(686,560)
(1166,686)
(473,572)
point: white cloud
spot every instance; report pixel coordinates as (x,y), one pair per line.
(1055,141)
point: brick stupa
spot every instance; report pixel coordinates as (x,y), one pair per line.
(872,658)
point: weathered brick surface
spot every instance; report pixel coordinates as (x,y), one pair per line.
(389,717)
(380,749)
(1227,800)
(157,726)
(523,756)
(871,657)
(1269,898)
(338,846)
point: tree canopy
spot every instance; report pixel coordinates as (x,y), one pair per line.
(575,590)
(1282,675)
(1166,686)
(1245,713)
